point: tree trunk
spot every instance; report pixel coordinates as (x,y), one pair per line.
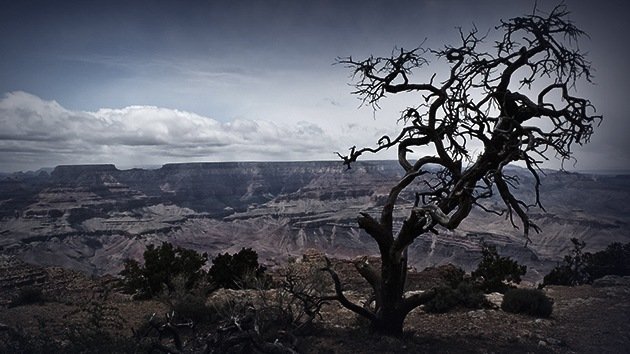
(389,323)
(390,312)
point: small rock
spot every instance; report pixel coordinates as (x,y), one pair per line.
(495,299)
(542,343)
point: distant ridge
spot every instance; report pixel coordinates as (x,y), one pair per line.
(87,167)
(109,167)
(617,172)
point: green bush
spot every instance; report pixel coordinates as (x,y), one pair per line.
(134,280)
(573,269)
(447,298)
(614,260)
(580,267)
(470,296)
(527,301)
(238,271)
(494,272)
(161,266)
(453,276)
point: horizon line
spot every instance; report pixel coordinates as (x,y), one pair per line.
(48,169)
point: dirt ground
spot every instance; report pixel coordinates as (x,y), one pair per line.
(585,319)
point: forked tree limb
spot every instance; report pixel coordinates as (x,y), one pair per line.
(339,296)
(489,110)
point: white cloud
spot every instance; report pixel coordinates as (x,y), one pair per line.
(36,132)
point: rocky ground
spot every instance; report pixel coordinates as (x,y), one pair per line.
(586,319)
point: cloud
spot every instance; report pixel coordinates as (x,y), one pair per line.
(37,132)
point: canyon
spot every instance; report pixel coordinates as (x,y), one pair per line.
(91,217)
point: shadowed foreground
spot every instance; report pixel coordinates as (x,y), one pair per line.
(586,319)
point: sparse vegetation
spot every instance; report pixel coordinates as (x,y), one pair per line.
(573,269)
(532,302)
(238,271)
(579,267)
(253,325)
(87,329)
(286,319)
(464,294)
(93,328)
(496,273)
(161,266)
(614,260)
(188,304)
(304,292)
(237,321)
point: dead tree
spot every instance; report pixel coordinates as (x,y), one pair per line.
(513,101)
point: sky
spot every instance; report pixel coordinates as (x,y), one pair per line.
(140,83)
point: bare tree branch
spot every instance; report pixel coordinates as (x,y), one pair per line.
(496,105)
(343,300)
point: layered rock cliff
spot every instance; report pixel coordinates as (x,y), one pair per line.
(91,217)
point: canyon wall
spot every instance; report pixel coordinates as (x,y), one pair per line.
(92,217)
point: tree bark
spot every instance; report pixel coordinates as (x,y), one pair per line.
(390,313)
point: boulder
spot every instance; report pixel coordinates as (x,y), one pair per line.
(495,299)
